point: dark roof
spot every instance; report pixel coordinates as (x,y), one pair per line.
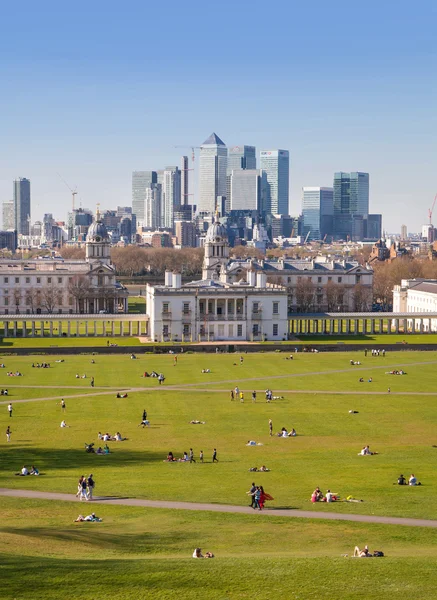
(213,140)
(429,287)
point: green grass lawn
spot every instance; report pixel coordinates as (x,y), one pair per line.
(147,550)
(369,339)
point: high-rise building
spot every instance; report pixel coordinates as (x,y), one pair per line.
(8,240)
(351,198)
(22,205)
(8,215)
(244,188)
(373,227)
(152,206)
(276,164)
(404,232)
(171,195)
(318,212)
(184,181)
(185,232)
(213,165)
(141,180)
(241,157)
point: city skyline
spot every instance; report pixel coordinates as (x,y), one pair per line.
(91,116)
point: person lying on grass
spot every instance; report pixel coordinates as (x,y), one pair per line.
(92,517)
(366,452)
(195,422)
(198,554)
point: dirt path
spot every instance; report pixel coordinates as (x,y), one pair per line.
(272,512)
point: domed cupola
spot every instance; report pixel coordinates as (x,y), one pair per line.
(216,250)
(98,242)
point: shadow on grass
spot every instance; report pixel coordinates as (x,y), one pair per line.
(88,534)
(13,457)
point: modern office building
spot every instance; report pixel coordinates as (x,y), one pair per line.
(212,167)
(8,240)
(404,232)
(22,205)
(276,164)
(373,227)
(185,232)
(171,196)
(141,180)
(241,157)
(318,212)
(152,207)
(184,181)
(244,189)
(8,215)
(351,197)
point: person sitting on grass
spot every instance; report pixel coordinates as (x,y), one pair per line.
(106,449)
(99,450)
(64,424)
(317,495)
(118,437)
(24,472)
(401,480)
(331,497)
(413,480)
(196,422)
(292,433)
(206,370)
(170,457)
(34,471)
(144,423)
(264,469)
(366,452)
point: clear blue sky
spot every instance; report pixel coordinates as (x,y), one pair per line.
(94,90)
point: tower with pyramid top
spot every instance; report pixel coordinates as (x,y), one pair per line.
(212,173)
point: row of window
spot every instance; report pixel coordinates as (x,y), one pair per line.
(221,330)
(186,308)
(319,279)
(38,279)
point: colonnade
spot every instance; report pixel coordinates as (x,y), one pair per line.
(58,326)
(362,323)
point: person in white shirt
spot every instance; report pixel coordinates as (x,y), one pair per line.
(24,471)
(64,424)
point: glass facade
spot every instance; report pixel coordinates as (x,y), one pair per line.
(22,205)
(317,211)
(351,200)
(141,180)
(276,165)
(212,167)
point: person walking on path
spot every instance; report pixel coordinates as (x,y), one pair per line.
(192,459)
(232,395)
(62,403)
(10,409)
(241,397)
(214,455)
(144,415)
(8,434)
(92,381)
(270,427)
(79,486)
(251,493)
(83,491)
(90,484)
(201,456)
(389,390)
(254,396)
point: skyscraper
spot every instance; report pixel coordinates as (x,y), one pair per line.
(317,211)
(152,206)
(213,164)
(244,186)
(171,195)
(184,181)
(241,157)
(351,201)
(22,205)
(276,164)
(141,180)
(8,215)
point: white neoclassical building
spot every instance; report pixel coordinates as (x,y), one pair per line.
(214,308)
(57,286)
(417,296)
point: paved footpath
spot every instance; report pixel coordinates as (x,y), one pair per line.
(224,508)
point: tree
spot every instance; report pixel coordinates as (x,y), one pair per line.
(72,253)
(30,296)
(17,299)
(334,295)
(361,297)
(49,298)
(79,288)
(305,291)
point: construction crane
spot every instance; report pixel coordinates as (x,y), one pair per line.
(193,148)
(431,210)
(73,192)
(308,235)
(324,239)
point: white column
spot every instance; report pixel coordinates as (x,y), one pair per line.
(23,330)
(397,325)
(60,328)
(139,328)
(15,328)
(86,328)
(69,328)
(51,328)
(6,328)
(112,328)
(33,329)
(95,328)
(42,328)
(130,328)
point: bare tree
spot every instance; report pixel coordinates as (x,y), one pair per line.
(79,288)
(72,253)
(31,295)
(361,298)
(49,298)
(334,295)
(17,299)
(305,291)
